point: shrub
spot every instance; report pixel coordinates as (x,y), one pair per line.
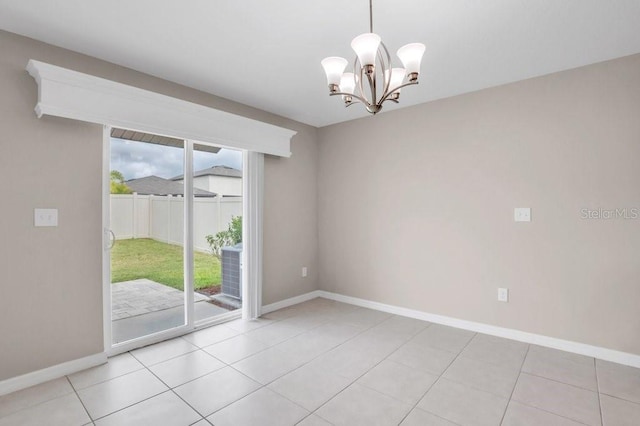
(117,183)
(230,237)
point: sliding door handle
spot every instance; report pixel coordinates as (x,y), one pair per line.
(112,240)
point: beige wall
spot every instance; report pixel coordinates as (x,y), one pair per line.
(50,278)
(412,208)
(416,205)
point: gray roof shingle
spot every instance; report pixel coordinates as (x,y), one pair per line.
(215,171)
(155,185)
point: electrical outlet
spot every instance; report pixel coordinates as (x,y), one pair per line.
(304,272)
(45,217)
(503,294)
(522,214)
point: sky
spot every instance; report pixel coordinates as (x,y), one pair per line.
(139,159)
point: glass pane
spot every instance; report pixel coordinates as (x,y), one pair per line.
(217,231)
(147,220)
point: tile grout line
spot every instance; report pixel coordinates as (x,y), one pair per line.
(241,333)
(429,324)
(79,399)
(228,365)
(145,399)
(283,341)
(559,382)
(211,327)
(164,360)
(130,405)
(331,349)
(386,357)
(551,412)
(147,367)
(595,369)
(524,359)
(179,397)
(620,398)
(225,406)
(545,410)
(438,379)
(414,407)
(28,407)
(169,388)
(546,378)
(396,362)
(317,356)
(263,386)
(312,359)
(111,378)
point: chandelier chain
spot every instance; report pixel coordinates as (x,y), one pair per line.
(370,16)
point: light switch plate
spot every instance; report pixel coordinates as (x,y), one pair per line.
(45,217)
(522,214)
(503,294)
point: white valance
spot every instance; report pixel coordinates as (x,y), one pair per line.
(71,94)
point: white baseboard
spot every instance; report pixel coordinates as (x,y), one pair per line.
(40,376)
(291,301)
(605,354)
(36,377)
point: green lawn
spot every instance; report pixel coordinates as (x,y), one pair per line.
(160,262)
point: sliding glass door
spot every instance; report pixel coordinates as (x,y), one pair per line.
(175,235)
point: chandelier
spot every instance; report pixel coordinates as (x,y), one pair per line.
(373,64)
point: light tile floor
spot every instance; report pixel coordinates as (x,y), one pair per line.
(328,363)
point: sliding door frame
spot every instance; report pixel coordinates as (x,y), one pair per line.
(253,188)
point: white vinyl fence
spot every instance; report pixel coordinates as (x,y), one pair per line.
(162,217)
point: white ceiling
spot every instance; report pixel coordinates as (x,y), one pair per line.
(267,53)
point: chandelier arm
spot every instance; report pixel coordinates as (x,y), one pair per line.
(372,84)
(385,66)
(386,97)
(353,95)
(360,86)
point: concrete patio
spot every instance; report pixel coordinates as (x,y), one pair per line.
(141,307)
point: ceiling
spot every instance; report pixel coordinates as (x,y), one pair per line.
(267,53)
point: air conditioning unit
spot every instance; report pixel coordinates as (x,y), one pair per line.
(232,271)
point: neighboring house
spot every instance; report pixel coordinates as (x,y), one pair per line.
(155,185)
(223,180)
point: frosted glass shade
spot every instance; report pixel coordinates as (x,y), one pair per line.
(411,56)
(397,77)
(334,67)
(366,47)
(347,83)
